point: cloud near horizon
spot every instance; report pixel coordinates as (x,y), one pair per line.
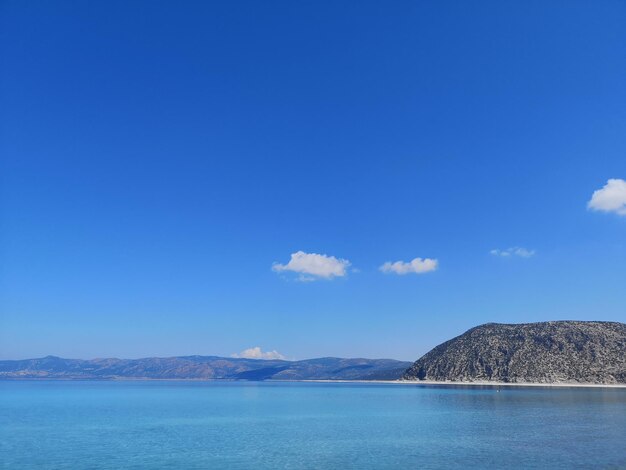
(257,353)
(514,251)
(313,266)
(415,266)
(610,198)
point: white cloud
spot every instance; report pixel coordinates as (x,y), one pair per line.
(416,266)
(514,251)
(611,198)
(312,266)
(257,353)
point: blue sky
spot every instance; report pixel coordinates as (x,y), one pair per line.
(162,161)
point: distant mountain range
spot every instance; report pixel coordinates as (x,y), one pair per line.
(204,367)
(547,352)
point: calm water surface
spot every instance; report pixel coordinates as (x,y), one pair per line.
(189,425)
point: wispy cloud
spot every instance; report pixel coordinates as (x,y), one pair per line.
(610,198)
(415,266)
(514,251)
(313,266)
(257,353)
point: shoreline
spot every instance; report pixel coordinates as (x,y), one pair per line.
(463,384)
(327,381)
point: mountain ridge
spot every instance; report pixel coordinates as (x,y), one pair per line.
(566,351)
(203,368)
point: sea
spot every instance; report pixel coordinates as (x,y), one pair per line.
(296,425)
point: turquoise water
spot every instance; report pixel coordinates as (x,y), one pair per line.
(189,425)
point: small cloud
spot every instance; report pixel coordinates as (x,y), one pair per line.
(312,266)
(416,266)
(611,198)
(514,251)
(257,353)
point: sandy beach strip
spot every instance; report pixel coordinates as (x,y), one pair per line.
(462,384)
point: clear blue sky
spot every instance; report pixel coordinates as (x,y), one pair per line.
(158,159)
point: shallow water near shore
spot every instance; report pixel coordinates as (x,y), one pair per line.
(179,424)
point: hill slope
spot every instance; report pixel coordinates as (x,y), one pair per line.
(203,367)
(547,352)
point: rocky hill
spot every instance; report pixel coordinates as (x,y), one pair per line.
(547,352)
(203,367)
